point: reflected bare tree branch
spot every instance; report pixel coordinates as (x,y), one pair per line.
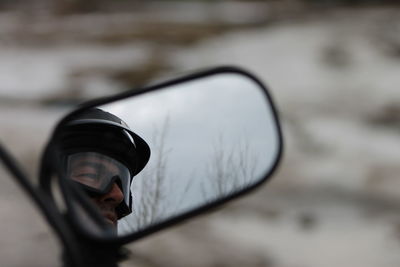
(231,168)
(150,205)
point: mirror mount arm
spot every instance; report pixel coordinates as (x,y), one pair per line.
(95,254)
(43,202)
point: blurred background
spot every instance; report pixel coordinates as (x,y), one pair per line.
(332,67)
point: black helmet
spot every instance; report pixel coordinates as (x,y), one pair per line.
(104,133)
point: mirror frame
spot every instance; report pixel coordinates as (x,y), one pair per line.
(47,163)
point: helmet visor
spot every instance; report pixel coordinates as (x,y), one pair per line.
(97,173)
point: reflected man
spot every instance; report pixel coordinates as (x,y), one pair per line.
(102,155)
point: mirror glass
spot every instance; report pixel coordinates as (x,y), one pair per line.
(208,138)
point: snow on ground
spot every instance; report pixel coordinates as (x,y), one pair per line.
(34,73)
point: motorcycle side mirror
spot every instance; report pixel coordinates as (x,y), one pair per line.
(190,144)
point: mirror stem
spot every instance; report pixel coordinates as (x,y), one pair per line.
(92,254)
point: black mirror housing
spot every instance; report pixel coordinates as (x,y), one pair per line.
(213,135)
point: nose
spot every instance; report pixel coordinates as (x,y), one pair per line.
(114,196)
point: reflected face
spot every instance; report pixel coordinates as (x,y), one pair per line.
(89,171)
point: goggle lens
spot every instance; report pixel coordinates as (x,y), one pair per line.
(98,172)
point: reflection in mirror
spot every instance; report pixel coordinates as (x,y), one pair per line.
(209,138)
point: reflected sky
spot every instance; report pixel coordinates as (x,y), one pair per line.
(209,137)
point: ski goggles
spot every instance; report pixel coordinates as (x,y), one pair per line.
(96,173)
